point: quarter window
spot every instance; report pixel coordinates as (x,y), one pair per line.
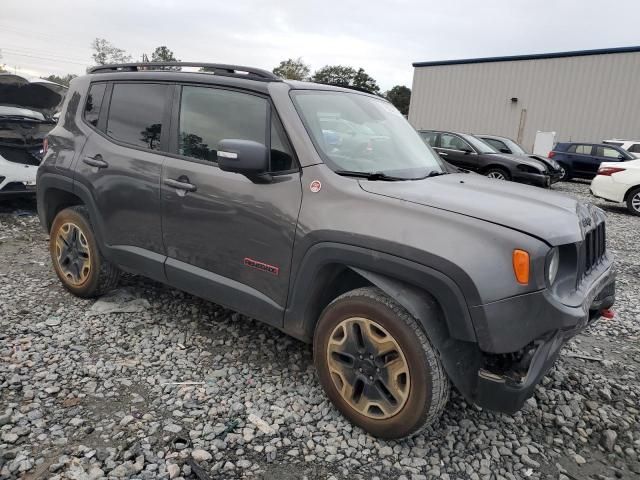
(208,115)
(635,148)
(94,102)
(135,114)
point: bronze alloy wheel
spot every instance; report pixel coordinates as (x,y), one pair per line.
(73,254)
(76,258)
(368,368)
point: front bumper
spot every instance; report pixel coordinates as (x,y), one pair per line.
(541,326)
(537,179)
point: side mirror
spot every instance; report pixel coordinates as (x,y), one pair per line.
(243,156)
(467,151)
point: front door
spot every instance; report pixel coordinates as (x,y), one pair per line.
(228,238)
(457,151)
(604,154)
(120,167)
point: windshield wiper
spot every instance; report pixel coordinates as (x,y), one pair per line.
(370,175)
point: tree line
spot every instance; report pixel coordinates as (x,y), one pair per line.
(104,52)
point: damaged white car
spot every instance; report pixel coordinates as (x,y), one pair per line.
(28,109)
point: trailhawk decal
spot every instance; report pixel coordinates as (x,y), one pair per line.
(265,267)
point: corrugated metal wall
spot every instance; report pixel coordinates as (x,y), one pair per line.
(588,98)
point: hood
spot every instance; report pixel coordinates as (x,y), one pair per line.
(524,159)
(34,94)
(549,216)
(549,162)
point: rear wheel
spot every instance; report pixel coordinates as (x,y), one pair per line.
(76,259)
(377,365)
(498,173)
(633,201)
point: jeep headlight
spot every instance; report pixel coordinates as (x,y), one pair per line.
(553,262)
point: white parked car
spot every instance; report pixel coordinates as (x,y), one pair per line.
(619,182)
(631,146)
(28,109)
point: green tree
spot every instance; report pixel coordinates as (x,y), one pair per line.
(61,80)
(104,52)
(293,69)
(400,96)
(163,54)
(346,76)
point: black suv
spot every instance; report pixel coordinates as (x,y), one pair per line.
(239,187)
(471,153)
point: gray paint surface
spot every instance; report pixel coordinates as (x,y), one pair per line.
(582,98)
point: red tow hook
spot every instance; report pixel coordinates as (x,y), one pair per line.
(607,313)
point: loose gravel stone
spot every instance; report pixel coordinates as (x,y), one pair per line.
(135,392)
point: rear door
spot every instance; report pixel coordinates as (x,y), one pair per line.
(120,168)
(229,239)
(581,158)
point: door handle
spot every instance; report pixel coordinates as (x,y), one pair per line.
(95,161)
(181,183)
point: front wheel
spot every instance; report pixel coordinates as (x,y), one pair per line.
(633,201)
(498,174)
(565,174)
(377,365)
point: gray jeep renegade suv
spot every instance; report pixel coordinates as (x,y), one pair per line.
(320,211)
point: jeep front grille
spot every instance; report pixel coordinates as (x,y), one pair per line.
(592,249)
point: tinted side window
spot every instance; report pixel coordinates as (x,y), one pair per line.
(584,149)
(453,142)
(429,137)
(607,152)
(135,114)
(208,115)
(497,144)
(635,148)
(94,101)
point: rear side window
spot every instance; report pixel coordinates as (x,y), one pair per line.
(635,148)
(583,149)
(94,101)
(136,112)
(208,115)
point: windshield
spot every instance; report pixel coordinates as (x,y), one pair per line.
(358,133)
(480,145)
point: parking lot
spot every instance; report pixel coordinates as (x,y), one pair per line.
(86,393)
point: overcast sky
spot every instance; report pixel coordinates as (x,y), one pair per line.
(384,37)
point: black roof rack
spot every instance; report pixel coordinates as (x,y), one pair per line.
(215,68)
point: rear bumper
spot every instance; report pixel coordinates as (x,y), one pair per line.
(509,377)
(607,188)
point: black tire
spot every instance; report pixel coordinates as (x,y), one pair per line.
(497,173)
(633,201)
(428,385)
(100,275)
(566,173)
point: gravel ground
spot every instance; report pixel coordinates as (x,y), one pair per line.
(86,394)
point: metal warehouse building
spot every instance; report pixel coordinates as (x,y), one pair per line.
(589,95)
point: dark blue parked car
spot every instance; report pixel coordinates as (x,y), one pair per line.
(582,160)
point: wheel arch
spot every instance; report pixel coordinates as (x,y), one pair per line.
(496,166)
(629,190)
